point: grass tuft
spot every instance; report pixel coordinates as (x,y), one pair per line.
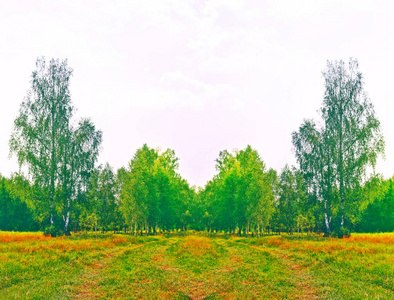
(196,245)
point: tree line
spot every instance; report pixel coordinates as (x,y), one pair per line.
(60,188)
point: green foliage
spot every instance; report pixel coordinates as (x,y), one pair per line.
(15,213)
(378,216)
(102,192)
(53,231)
(153,194)
(241,195)
(340,232)
(293,212)
(88,221)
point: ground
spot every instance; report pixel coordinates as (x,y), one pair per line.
(196,265)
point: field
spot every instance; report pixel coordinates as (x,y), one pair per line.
(196,266)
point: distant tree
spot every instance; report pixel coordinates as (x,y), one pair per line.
(225,192)
(15,213)
(101,199)
(241,194)
(293,210)
(378,215)
(168,189)
(58,156)
(334,157)
(255,194)
(206,204)
(153,195)
(288,200)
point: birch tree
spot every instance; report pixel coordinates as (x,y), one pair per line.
(334,157)
(57,155)
(349,117)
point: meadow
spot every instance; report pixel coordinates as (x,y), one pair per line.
(196,265)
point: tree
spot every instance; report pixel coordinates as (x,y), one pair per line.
(101,198)
(15,213)
(335,157)
(287,205)
(314,154)
(241,194)
(80,150)
(255,198)
(378,215)
(226,186)
(293,210)
(58,156)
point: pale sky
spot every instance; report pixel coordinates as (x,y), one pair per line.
(197,76)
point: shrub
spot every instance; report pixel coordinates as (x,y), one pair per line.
(340,232)
(53,231)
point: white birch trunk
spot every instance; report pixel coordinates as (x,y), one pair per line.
(67,220)
(327,222)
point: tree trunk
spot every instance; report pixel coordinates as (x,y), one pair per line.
(53,163)
(52,198)
(326,219)
(146,228)
(341,164)
(67,220)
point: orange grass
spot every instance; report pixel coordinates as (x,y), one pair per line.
(61,244)
(66,246)
(21,237)
(376,239)
(196,245)
(119,240)
(333,245)
(274,242)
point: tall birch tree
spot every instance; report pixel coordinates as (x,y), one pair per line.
(56,154)
(335,156)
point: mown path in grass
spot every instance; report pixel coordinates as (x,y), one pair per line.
(89,288)
(196,267)
(306,287)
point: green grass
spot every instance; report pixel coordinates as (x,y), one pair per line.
(196,267)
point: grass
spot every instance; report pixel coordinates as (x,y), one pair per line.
(195,266)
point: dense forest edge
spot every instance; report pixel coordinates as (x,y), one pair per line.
(60,189)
